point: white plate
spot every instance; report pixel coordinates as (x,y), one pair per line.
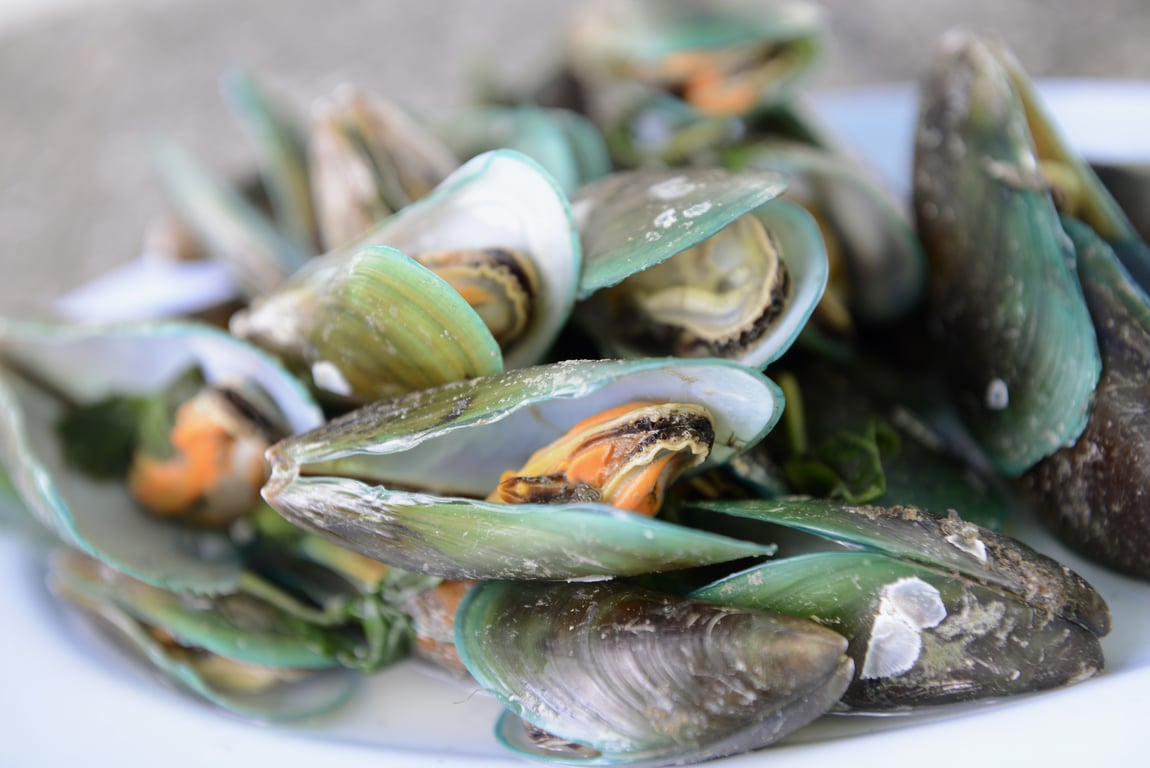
(68,698)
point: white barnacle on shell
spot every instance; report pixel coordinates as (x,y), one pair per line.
(906,607)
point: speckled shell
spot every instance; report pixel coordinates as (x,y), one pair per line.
(1092,493)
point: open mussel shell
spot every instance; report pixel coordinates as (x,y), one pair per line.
(676,269)
(1017,338)
(501,201)
(1091,494)
(632,220)
(885,266)
(919,635)
(233,651)
(46,367)
(616,674)
(561,141)
(399,480)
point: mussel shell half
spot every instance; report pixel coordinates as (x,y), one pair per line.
(86,364)
(638,676)
(284,691)
(380,325)
(1092,493)
(1018,341)
(918,635)
(392,479)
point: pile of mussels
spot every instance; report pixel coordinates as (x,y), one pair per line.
(489,391)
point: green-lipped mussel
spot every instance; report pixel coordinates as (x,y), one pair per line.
(499,231)
(609,673)
(403,480)
(233,650)
(937,610)
(50,369)
(1019,344)
(667,79)
(1030,346)
(696,263)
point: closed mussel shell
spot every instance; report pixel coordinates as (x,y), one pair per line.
(1018,341)
(919,635)
(1091,493)
(615,674)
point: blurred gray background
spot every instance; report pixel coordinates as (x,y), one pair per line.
(87,85)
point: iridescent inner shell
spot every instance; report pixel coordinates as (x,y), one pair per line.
(717,298)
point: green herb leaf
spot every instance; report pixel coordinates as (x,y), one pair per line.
(100,439)
(847,465)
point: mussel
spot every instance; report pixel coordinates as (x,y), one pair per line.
(404,480)
(50,369)
(937,610)
(233,650)
(498,231)
(696,263)
(1060,376)
(666,80)
(1004,297)
(605,674)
